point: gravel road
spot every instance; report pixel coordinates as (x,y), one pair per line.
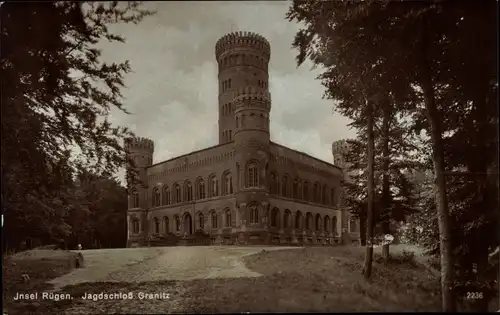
(162,263)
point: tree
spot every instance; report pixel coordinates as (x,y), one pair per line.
(395,161)
(56,96)
(355,78)
(398,36)
(102,222)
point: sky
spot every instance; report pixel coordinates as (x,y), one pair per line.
(172,91)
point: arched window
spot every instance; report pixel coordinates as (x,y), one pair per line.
(201,221)
(213,186)
(229,84)
(165,198)
(156,225)
(227,183)
(333,197)
(135,226)
(284,186)
(324,195)
(156,197)
(188,191)
(166,225)
(200,189)
(272,184)
(298,220)
(353,225)
(275,215)
(296,188)
(228,217)
(135,199)
(318,222)
(254,214)
(213,216)
(316,193)
(326,223)
(178,196)
(334,225)
(177,223)
(305,191)
(286,219)
(252,179)
(309,221)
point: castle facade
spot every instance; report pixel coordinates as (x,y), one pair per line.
(245,190)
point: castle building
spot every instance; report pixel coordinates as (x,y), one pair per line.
(245,190)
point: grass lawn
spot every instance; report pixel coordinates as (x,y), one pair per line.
(312,279)
(316,279)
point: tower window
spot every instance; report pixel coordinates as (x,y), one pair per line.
(135,199)
(135,226)
(252,178)
(229,84)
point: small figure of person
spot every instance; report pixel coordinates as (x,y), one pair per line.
(79,247)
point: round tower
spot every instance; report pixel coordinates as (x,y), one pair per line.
(243,59)
(139,153)
(339,150)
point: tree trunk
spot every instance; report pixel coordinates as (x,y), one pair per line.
(362,228)
(367,269)
(432,113)
(385,213)
(441,203)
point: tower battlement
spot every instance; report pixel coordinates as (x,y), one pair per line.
(251,93)
(139,144)
(242,39)
(340,146)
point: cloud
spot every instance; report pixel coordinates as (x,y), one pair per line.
(172,92)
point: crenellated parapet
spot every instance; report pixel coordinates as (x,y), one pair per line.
(245,40)
(250,97)
(139,144)
(340,146)
(339,149)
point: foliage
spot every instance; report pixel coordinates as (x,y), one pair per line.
(56,97)
(422,57)
(103,222)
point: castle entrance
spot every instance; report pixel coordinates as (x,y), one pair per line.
(188,224)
